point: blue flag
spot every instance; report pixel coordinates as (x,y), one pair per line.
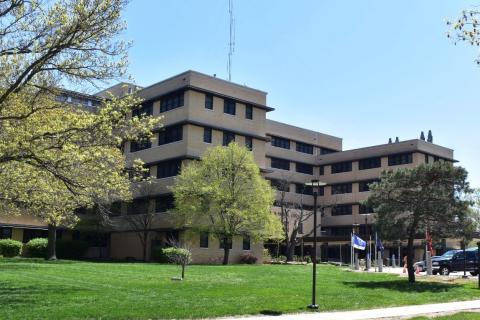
(358,243)
(379,244)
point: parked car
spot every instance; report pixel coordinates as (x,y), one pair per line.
(456,262)
(422,265)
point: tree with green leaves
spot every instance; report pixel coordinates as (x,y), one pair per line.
(55,156)
(409,201)
(224,194)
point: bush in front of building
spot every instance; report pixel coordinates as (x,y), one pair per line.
(179,256)
(36,248)
(248,258)
(71,249)
(10,248)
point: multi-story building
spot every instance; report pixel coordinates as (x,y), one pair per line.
(200,111)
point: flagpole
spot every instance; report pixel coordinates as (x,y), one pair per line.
(376,252)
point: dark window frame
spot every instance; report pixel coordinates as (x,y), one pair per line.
(249,143)
(342,210)
(369,163)
(229,106)
(249,112)
(279,163)
(304,147)
(170,168)
(305,168)
(246,243)
(341,188)
(340,167)
(209,101)
(204,239)
(280,142)
(164,202)
(170,134)
(172,101)
(400,159)
(228,137)
(207,134)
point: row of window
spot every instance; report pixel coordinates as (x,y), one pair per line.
(340,188)
(204,242)
(346,209)
(369,163)
(284,164)
(163,203)
(175,133)
(303,147)
(229,106)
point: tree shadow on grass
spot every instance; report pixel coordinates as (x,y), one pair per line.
(271,312)
(403,286)
(11,294)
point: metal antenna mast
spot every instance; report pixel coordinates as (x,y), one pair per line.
(231,44)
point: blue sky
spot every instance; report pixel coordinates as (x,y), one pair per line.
(361,70)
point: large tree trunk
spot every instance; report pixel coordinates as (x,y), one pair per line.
(290,250)
(226,250)
(144,246)
(52,242)
(411,271)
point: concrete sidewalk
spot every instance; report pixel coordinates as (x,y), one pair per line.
(388,313)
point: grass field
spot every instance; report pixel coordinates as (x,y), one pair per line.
(68,289)
(457,316)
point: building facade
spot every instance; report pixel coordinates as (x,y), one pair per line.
(200,111)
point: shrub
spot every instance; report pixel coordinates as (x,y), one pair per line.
(36,248)
(10,248)
(307,259)
(248,258)
(180,256)
(74,249)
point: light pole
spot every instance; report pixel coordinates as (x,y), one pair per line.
(478,263)
(315,184)
(367,235)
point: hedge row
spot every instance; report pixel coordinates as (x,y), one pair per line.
(37,248)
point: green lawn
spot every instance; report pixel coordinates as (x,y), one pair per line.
(67,289)
(457,316)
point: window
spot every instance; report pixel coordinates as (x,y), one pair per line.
(280,163)
(280,142)
(203,240)
(280,185)
(249,143)
(138,206)
(140,145)
(145,110)
(170,134)
(304,147)
(341,167)
(229,243)
(342,188)
(398,159)
(209,101)
(229,106)
(326,151)
(168,168)
(228,137)
(304,168)
(5,233)
(207,135)
(171,101)
(322,170)
(303,189)
(246,243)
(342,210)
(426,158)
(363,186)
(249,111)
(363,209)
(164,202)
(369,163)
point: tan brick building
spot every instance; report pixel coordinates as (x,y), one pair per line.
(200,111)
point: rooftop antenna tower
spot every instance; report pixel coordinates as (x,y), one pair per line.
(231,44)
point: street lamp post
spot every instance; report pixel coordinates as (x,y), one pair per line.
(367,235)
(315,184)
(478,263)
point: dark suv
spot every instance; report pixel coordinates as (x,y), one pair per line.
(456,262)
